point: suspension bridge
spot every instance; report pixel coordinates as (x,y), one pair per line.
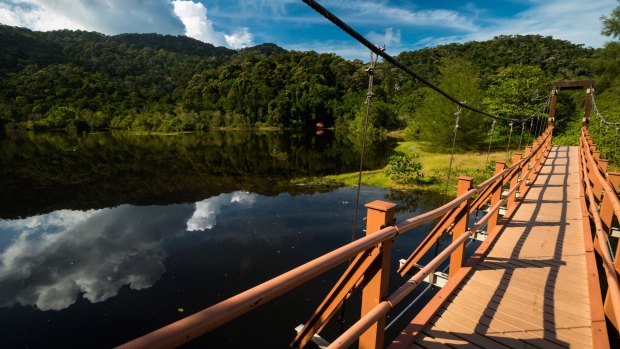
(544,275)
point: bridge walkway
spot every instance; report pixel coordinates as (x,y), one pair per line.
(531,290)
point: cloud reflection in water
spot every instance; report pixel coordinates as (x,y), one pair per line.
(56,257)
(206,210)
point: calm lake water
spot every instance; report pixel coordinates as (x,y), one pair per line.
(105,237)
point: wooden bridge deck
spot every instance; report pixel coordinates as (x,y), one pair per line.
(531,289)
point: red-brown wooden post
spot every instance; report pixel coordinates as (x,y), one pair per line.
(514,181)
(588,107)
(524,169)
(460,225)
(597,155)
(602,164)
(553,103)
(380,214)
(496,196)
(614,179)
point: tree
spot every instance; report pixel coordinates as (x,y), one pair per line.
(517,91)
(435,119)
(606,65)
(611,24)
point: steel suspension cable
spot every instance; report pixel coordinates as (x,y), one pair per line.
(529,134)
(540,126)
(371,71)
(617,144)
(508,146)
(456,127)
(388,58)
(605,145)
(486,163)
(521,137)
(599,115)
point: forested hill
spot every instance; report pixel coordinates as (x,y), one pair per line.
(84,80)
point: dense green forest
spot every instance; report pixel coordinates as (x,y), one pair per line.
(83,80)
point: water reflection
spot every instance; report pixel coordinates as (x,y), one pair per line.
(206,210)
(104,170)
(50,260)
(58,256)
(125,230)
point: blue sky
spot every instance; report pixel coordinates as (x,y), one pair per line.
(400,25)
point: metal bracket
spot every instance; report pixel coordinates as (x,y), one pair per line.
(502,210)
(316,339)
(437,278)
(479,235)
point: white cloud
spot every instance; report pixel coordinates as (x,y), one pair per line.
(206,210)
(109,17)
(241,38)
(198,26)
(58,256)
(381,12)
(391,37)
(576,21)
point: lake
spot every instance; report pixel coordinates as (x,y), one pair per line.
(105,237)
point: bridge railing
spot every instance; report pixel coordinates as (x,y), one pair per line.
(599,195)
(370,261)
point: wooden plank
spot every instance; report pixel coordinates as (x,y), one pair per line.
(519,302)
(494,264)
(573,84)
(535,283)
(508,324)
(502,332)
(448,338)
(567,278)
(429,342)
(415,346)
(466,333)
(531,289)
(522,318)
(550,278)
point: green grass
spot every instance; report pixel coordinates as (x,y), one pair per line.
(434,168)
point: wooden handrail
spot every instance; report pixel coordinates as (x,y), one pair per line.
(602,179)
(599,191)
(356,330)
(195,325)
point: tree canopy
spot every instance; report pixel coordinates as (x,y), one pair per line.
(86,80)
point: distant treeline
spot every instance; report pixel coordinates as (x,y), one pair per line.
(85,80)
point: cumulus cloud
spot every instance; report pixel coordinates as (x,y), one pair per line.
(122,16)
(109,17)
(49,261)
(241,38)
(206,210)
(57,257)
(198,26)
(555,18)
(391,37)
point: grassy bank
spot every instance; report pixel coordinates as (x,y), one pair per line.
(435,167)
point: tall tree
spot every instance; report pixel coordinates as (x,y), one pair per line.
(606,65)
(435,119)
(517,91)
(611,24)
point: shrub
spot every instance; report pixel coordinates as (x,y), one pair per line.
(404,168)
